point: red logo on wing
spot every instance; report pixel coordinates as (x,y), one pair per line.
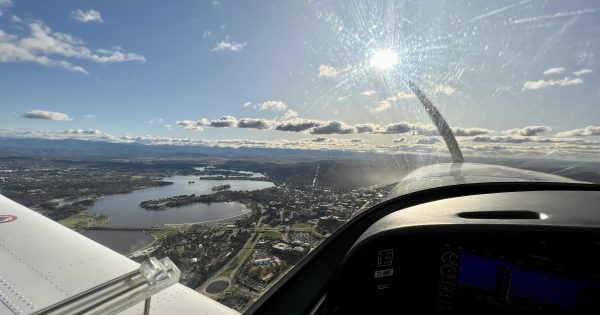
(5,218)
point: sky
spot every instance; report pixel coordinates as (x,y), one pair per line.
(511,78)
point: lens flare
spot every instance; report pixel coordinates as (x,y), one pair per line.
(384,59)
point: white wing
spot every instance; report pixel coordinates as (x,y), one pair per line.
(43,263)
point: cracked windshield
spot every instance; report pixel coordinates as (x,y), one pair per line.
(235,136)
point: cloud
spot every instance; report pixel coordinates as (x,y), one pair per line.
(47,115)
(399,140)
(226,44)
(289,114)
(357,140)
(582,132)
(87,16)
(366,128)
(540,84)
(527,131)
(428,140)
(277,106)
(247,104)
(405,127)
(582,72)
(197,125)
(216,4)
(368,93)
(206,34)
(5,4)
(469,132)
(297,125)
(554,71)
(320,139)
(444,89)
(42,47)
(254,123)
(408,96)
(333,127)
(328,71)
(223,122)
(382,106)
(89,117)
(156,120)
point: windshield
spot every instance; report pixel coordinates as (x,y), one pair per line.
(234,137)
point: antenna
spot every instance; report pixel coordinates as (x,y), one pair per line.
(440,123)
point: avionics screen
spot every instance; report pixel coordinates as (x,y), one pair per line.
(492,284)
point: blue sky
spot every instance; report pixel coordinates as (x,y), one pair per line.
(518,77)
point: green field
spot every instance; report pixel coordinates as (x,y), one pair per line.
(82,219)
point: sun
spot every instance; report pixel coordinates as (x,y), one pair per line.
(384,59)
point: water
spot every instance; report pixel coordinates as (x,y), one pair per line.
(124,209)
(124,242)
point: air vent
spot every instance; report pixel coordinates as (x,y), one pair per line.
(502,215)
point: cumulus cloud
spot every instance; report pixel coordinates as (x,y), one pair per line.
(368,93)
(197,125)
(289,114)
(247,104)
(366,128)
(444,89)
(254,123)
(277,106)
(229,45)
(405,127)
(297,125)
(47,115)
(42,47)
(320,139)
(581,132)
(333,127)
(407,96)
(540,84)
(87,16)
(554,71)
(328,71)
(224,122)
(528,131)
(469,132)
(382,106)
(582,72)
(4,4)
(428,140)
(399,140)
(356,140)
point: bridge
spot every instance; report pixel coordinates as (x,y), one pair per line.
(115,227)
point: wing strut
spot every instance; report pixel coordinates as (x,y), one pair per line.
(440,124)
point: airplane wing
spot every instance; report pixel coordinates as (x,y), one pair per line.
(48,268)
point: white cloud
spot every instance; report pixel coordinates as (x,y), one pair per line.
(399,140)
(428,140)
(277,106)
(366,128)
(527,131)
(469,132)
(297,125)
(156,120)
(444,89)
(224,122)
(554,71)
(206,34)
(333,127)
(408,96)
(4,4)
(328,71)
(247,104)
(368,93)
(582,72)
(87,16)
(382,106)
(289,114)
(89,117)
(47,115)
(216,4)
(540,84)
(226,44)
(582,132)
(42,47)
(15,19)
(254,123)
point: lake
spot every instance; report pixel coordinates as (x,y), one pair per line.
(124,209)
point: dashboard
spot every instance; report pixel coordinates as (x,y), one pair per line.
(533,252)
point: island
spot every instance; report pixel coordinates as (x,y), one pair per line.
(221,187)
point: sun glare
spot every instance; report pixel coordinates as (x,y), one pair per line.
(384,59)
